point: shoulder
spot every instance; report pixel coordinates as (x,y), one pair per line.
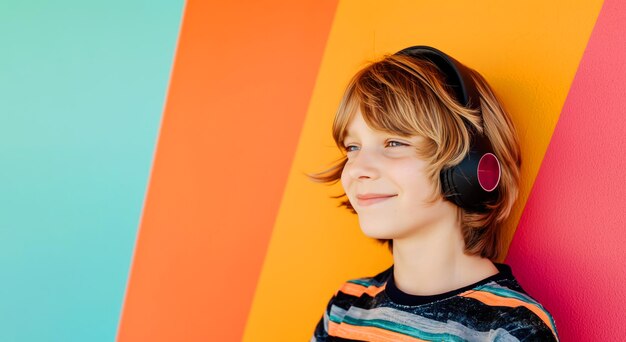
(371,285)
(358,290)
(362,290)
(522,315)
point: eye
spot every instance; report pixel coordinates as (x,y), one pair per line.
(393,143)
(349,148)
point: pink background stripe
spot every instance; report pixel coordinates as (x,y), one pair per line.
(569,246)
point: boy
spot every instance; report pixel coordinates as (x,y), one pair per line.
(431,167)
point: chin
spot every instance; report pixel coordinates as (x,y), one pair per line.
(375,235)
(376,230)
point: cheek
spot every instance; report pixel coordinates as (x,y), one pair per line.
(416,184)
(344,180)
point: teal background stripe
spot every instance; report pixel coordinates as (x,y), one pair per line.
(82,90)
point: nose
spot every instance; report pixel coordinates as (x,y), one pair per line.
(362,165)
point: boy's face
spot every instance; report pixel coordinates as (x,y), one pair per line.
(386,183)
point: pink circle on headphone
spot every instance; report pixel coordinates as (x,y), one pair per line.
(488,172)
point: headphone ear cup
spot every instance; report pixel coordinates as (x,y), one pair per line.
(448,189)
(473,183)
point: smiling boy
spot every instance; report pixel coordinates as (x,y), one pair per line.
(431,167)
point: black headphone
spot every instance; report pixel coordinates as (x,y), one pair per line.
(472,183)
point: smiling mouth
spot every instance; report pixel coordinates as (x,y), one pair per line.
(369,200)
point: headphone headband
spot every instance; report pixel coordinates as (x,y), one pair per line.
(456,74)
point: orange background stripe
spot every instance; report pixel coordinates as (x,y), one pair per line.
(241,84)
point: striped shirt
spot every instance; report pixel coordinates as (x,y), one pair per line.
(493,309)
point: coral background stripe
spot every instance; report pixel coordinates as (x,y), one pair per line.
(241,85)
(569,246)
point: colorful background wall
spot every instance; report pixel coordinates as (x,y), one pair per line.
(153,160)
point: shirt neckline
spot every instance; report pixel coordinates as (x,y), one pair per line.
(400,297)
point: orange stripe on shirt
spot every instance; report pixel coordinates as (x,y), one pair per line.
(357,290)
(495,300)
(367,333)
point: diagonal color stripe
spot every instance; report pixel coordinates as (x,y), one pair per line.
(569,248)
(82,87)
(241,83)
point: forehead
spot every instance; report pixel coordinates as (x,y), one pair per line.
(357,126)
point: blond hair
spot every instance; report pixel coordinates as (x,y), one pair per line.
(407,96)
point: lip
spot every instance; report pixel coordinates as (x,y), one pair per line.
(369,199)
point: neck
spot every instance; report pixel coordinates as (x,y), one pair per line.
(432,261)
